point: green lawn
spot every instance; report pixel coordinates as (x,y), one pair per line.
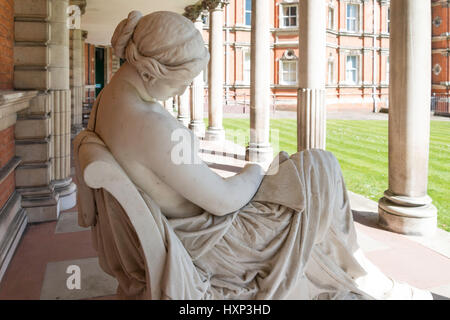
(362,150)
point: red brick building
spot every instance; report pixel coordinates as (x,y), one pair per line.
(357,49)
(441,37)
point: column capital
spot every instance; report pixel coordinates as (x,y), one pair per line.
(194,12)
(214,4)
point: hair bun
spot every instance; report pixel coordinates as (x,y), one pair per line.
(123,33)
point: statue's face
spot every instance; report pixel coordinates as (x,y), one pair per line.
(164,89)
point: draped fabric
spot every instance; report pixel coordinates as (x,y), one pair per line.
(262,251)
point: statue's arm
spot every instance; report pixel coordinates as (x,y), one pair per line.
(194,180)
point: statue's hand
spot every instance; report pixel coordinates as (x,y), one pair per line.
(254,172)
(253,166)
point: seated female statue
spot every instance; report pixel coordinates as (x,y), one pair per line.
(251,236)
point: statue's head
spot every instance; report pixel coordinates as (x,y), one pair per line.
(165,48)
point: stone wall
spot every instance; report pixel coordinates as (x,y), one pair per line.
(7,186)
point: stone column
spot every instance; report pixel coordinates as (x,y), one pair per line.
(311,108)
(168,105)
(43,130)
(259,149)
(84,35)
(76,10)
(197,125)
(183,108)
(76,79)
(215,129)
(61,113)
(406,208)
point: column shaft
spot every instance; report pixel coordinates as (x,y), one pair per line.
(76,78)
(197,125)
(311,107)
(216,75)
(168,105)
(406,207)
(259,149)
(183,108)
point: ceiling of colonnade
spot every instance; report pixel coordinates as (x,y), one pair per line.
(102,16)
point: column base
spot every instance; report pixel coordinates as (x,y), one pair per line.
(406,215)
(67,192)
(40,203)
(198,127)
(215,134)
(259,153)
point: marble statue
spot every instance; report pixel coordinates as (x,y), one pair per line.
(289,235)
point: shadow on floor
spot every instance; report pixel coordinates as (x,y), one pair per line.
(367,218)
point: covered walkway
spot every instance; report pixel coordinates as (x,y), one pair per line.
(41,109)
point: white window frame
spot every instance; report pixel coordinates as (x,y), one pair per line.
(354,69)
(205,76)
(205,19)
(282,72)
(388,69)
(246,66)
(282,16)
(331,79)
(388,20)
(331,18)
(245,13)
(357,19)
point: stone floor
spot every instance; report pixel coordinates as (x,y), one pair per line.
(41,265)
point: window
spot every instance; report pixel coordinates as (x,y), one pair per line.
(388,20)
(352,17)
(388,66)
(246,66)
(205,76)
(248,12)
(205,19)
(288,72)
(352,70)
(331,72)
(288,17)
(330,18)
